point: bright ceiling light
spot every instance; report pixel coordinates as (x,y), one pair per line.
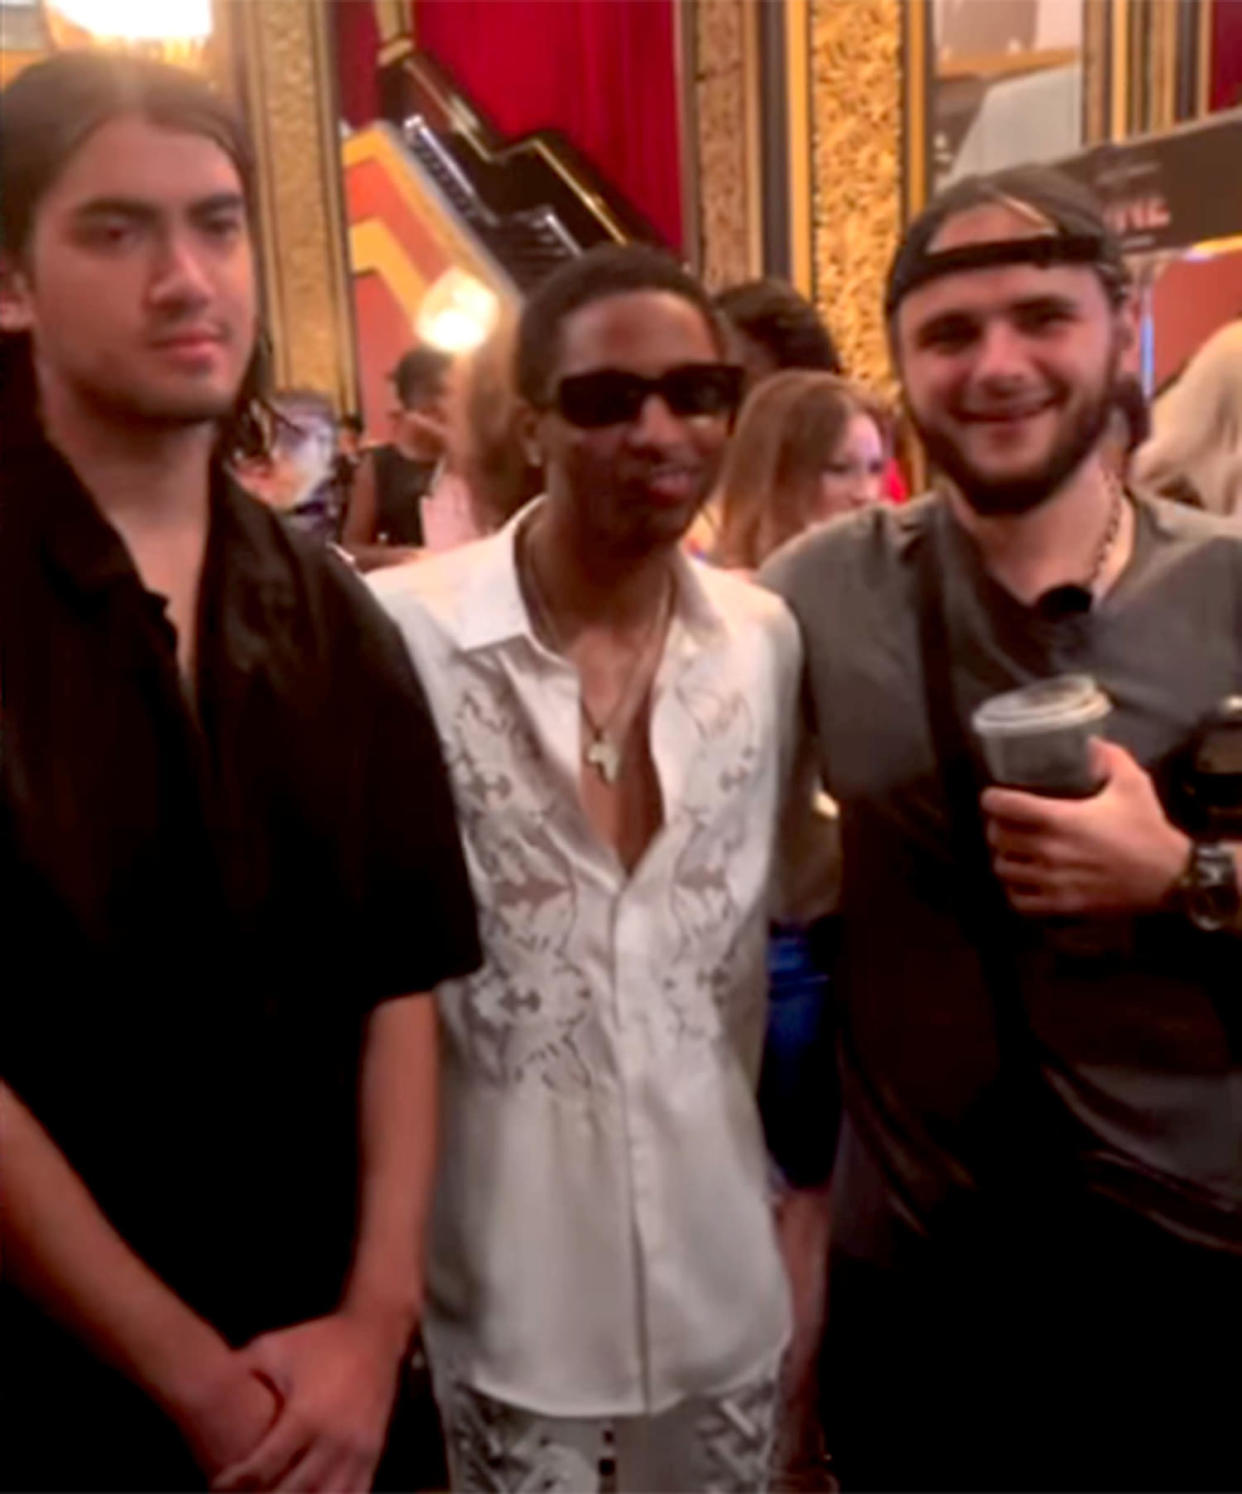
(130,21)
(457,313)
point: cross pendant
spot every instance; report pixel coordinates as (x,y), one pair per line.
(605,757)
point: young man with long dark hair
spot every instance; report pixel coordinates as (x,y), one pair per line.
(230,860)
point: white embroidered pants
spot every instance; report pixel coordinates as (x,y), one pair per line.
(708,1445)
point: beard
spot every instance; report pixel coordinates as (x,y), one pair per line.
(163,413)
(1019,492)
(133,396)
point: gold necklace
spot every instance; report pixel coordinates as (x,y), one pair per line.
(605,751)
(1111,530)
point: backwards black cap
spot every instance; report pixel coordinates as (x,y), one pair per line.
(1071,223)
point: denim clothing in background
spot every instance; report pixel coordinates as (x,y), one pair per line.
(799,1098)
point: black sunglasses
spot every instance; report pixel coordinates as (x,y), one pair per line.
(613,396)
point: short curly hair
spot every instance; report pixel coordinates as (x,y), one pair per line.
(421,371)
(609,270)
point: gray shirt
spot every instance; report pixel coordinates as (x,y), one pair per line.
(1134,1026)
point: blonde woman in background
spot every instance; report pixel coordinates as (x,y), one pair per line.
(808,446)
(1195,455)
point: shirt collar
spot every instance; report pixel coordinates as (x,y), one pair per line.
(494,610)
(77,539)
(965,549)
(254,541)
(90,555)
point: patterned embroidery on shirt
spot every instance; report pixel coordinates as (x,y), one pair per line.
(534,1025)
(716,828)
(728,744)
(530,1014)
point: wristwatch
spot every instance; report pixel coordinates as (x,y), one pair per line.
(1208,891)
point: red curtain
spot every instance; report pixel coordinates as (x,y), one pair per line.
(1226,53)
(357,59)
(604,72)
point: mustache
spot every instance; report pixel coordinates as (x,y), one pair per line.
(640,470)
(982,404)
(1002,410)
(179,327)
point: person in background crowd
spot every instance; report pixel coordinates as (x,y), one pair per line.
(776,328)
(487,476)
(486,437)
(808,446)
(351,435)
(773,328)
(384,520)
(1036,1238)
(1195,453)
(217,1079)
(351,441)
(297,475)
(618,724)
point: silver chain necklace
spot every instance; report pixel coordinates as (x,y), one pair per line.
(605,750)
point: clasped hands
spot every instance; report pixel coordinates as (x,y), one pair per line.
(303,1408)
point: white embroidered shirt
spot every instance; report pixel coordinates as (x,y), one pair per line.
(602,1241)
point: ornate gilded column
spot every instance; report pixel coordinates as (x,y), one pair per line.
(1162,102)
(727,134)
(282,69)
(1096,60)
(857,179)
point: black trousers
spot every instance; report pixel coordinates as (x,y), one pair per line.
(1108,1359)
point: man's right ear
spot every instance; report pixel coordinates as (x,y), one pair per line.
(526,424)
(15,310)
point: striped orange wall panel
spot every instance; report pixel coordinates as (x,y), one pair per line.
(401,237)
(384,333)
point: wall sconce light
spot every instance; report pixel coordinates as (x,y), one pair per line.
(457,313)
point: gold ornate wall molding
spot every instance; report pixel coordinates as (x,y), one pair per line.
(282,51)
(1162,113)
(394,21)
(1095,62)
(726,93)
(799,151)
(856,111)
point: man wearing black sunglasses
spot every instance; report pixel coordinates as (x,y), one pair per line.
(614,718)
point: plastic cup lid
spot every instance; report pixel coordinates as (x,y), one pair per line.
(1048,705)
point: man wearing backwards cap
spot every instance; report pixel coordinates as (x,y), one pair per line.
(1036,1262)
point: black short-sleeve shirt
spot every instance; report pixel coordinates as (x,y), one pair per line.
(201,905)
(1135,1025)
